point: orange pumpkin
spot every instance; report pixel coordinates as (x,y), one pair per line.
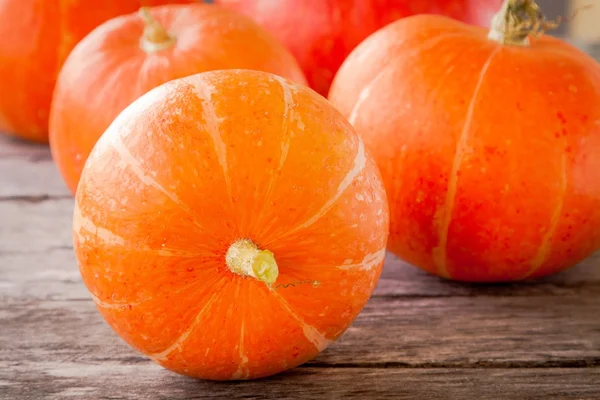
(35,38)
(321,33)
(488,143)
(129,55)
(230,225)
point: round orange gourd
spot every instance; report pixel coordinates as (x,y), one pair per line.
(230,225)
(35,38)
(488,143)
(129,55)
(321,33)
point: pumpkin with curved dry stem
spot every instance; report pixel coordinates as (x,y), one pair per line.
(230,225)
(488,142)
(129,55)
(36,37)
(321,33)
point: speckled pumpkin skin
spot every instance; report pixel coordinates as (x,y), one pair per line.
(200,163)
(489,152)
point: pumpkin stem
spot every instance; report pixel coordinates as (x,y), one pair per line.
(245,258)
(517,21)
(155,37)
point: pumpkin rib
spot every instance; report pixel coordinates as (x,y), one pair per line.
(111,238)
(544,249)
(288,98)
(288,114)
(148,180)
(106,235)
(312,334)
(439,252)
(163,355)
(117,305)
(358,166)
(242,372)
(366,91)
(369,262)
(204,92)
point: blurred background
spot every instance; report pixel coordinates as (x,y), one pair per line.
(584,27)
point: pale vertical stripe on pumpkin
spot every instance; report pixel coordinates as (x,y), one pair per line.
(286,134)
(544,249)
(366,90)
(204,91)
(369,262)
(311,333)
(117,304)
(138,170)
(288,114)
(439,253)
(242,372)
(82,222)
(112,239)
(358,166)
(180,341)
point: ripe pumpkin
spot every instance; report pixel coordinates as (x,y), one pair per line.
(230,225)
(36,37)
(129,55)
(321,33)
(488,143)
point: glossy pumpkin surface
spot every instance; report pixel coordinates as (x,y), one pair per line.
(36,37)
(186,181)
(118,62)
(488,150)
(321,33)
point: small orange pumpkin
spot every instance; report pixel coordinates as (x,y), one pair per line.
(129,55)
(35,38)
(488,142)
(321,33)
(230,225)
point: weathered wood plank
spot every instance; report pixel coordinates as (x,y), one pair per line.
(110,380)
(13,147)
(27,170)
(474,331)
(35,224)
(403,280)
(436,332)
(32,176)
(23,179)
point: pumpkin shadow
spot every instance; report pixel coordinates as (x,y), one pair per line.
(400,279)
(305,382)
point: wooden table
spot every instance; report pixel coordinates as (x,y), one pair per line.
(418,338)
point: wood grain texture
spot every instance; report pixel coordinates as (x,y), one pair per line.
(419,337)
(438,332)
(13,147)
(27,172)
(109,380)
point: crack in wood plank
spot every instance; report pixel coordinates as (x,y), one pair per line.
(35,199)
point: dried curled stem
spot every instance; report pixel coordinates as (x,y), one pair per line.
(518,20)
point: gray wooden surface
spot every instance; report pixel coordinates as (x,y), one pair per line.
(418,338)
